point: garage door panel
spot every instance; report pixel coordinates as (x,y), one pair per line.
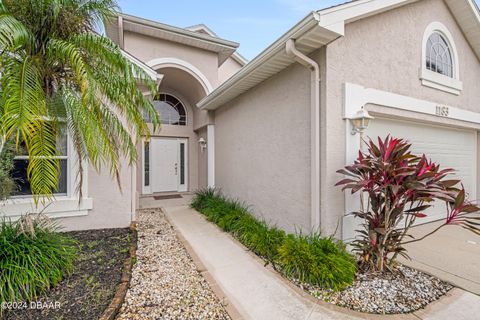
(449,147)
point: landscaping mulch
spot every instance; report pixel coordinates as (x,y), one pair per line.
(403,291)
(165,281)
(89,290)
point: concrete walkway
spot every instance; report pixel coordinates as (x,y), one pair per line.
(258,292)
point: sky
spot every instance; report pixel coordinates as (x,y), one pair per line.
(254,24)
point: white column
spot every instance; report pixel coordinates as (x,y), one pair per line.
(211,155)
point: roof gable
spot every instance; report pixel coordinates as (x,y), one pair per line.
(125,22)
(201,28)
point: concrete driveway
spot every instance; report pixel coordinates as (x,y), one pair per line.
(451,254)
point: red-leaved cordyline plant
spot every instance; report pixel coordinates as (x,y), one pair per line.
(396,187)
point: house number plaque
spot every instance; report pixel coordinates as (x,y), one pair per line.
(441,111)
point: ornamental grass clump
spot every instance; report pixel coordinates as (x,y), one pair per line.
(313,259)
(33,257)
(396,189)
(317,260)
(233,216)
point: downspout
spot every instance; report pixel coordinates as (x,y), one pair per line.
(121,39)
(315,128)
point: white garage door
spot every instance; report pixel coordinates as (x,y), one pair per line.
(449,147)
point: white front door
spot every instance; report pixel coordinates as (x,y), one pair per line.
(168,165)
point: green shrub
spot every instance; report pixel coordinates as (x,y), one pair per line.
(33,257)
(316,260)
(199,202)
(312,259)
(229,221)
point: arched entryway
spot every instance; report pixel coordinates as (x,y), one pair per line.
(173,160)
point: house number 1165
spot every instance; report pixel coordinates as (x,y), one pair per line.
(441,111)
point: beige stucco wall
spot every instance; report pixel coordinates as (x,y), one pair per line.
(148,48)
(112,207)
(262,149)
(228,69)
(202,159)
(384,52)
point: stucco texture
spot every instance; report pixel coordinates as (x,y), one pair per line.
(112,207)
(262,142)
(148,48)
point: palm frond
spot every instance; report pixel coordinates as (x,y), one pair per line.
(13,33)
(23,97)
(43,167)
(55,69)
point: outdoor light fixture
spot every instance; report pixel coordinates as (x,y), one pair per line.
(360,121)
(203,144)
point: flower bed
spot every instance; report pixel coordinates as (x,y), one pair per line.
(312,259)
(88,291)
(320,265)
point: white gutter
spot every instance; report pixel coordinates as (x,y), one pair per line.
(315,128)
(302,27)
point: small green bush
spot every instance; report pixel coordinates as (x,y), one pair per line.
(202,197)
(33,257)
(316,260)
(229,221)
(309,258)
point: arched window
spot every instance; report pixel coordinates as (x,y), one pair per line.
(438,55)
(440,67)
(170,109)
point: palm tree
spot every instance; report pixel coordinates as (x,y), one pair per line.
(58,74)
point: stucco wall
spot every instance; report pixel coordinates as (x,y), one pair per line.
(262,143)
(228,69)
(112,208)
(202,159)
(384,52)
(148,48)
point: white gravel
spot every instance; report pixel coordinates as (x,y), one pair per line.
(402,292)
(165,282)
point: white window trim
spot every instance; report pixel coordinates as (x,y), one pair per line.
(61,206)
(436,80)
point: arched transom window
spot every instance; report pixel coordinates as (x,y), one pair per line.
(440,64)
(438,55)
(170,109)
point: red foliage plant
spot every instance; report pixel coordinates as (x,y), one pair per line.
(396,188)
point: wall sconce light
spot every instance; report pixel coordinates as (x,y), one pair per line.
(360,121)
(202,143)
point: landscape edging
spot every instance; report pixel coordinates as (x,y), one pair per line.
(114,307)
